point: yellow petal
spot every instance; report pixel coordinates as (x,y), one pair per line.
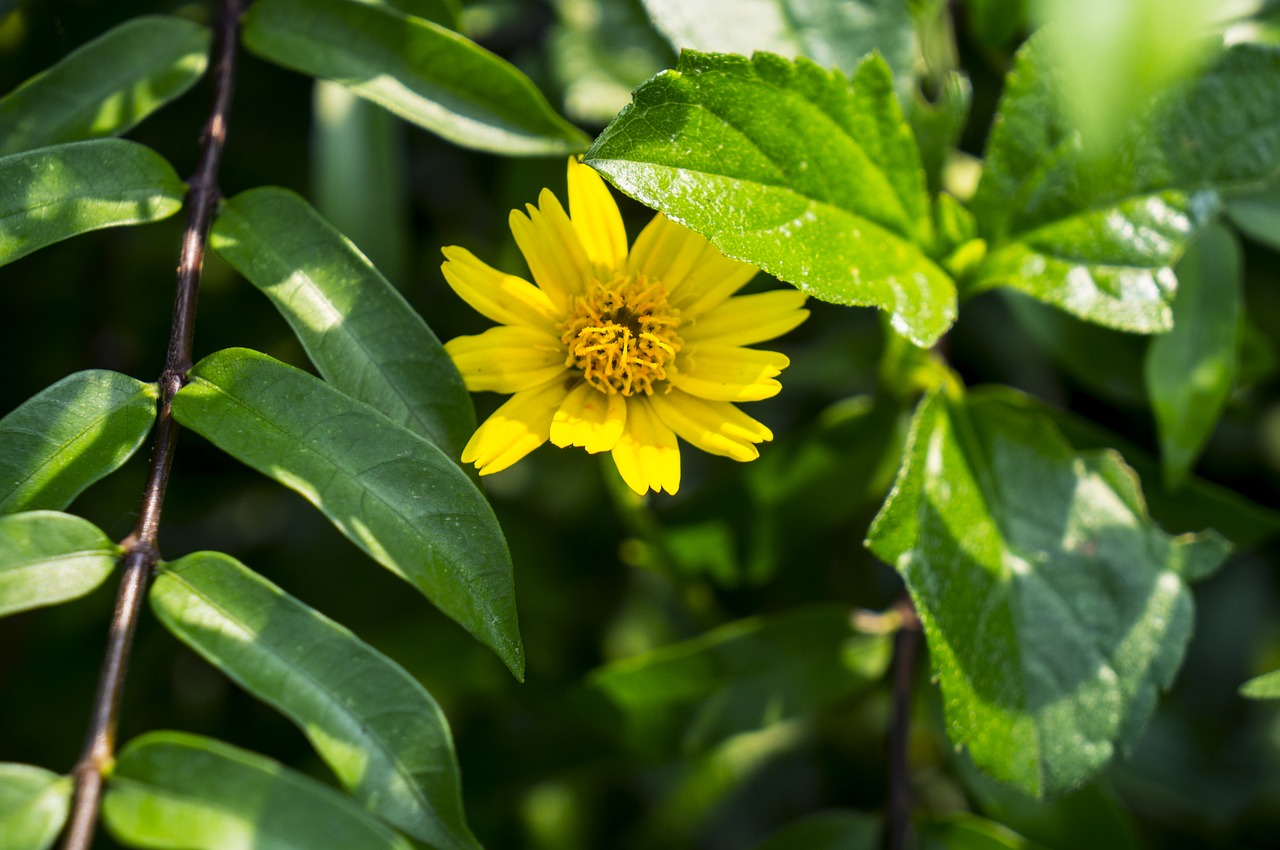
(552,249)
(502,297)
(713,426)
(728,373)
(748,319)
(646,454)
(589,418)
(507,359)
(695,275)
(596,217)
(516,428)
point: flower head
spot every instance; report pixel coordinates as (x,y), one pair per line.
(613,350)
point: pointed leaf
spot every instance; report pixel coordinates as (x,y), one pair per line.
(380,731)
(1055,610)
(107,86)
(47,557)
(362,335)
(421,71)
(66,437)
(793,169)
(54,193)
(1266,686)
(392,493)
(185,792)
(33,806)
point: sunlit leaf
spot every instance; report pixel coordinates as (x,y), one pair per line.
(1055,610)
(791,168)
(419,70)
(54,193)
(61,440)
(380,731)
(184,792)
(362,335)
(107,86)
(392,493)
(33,806)
(1266,686)
(47,557)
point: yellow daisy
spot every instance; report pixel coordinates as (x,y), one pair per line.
(617,351)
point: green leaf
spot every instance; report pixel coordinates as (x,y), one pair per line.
(1055,610)
(380,731)
(107,86)
(1266,686)
(1097,235)
(421,71)
(186,792)
(995,23)
(741,677)
(359,331)
(392,493)
(47,557)
(33,806)
(828,831)
(1257,215)
(793,169)
(54,193)
(831,34)
(1191,369)
(968,832)
(66,437)
(938,123)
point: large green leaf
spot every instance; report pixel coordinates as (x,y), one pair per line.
(185,792)
(793,169)
(47,557)
(33,806)
(831,34)
(1097,235)
(380,731)
(107,86)
(54,193)
(362,335)
(741,677)
(419,70)
(392,493)
(70,435)
(1055,610)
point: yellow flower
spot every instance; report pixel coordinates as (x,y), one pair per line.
(616,351)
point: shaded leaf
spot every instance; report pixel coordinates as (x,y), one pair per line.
(793,169)
(392,493)
(1257,215)
(1055,610)
(66,437)
(47,557)
(421,71)
(828,831)
(105,87)
(186,792)
(33,806)
(359,331)
(969,832)
(54,193)
(373,723)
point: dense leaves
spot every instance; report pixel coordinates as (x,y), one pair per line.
(33,805)
(48,557)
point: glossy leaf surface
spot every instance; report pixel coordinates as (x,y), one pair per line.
(392,493)
(372,723)
(186,792)
(793,169)
(33,806)
(54,193)
(1055,610)
(1098,236)
(421,71)
(47,557)
(359,331)
(107,86)
(70,435)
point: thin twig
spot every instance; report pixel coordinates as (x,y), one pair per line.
(906,653)
(141,551)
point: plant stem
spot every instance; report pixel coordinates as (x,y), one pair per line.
(141,548)
(906,653)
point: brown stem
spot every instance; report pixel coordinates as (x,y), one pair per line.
(906,653)
(141,551)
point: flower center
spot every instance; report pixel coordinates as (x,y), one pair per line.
(622,334)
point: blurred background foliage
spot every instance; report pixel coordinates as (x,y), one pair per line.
(779,708)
